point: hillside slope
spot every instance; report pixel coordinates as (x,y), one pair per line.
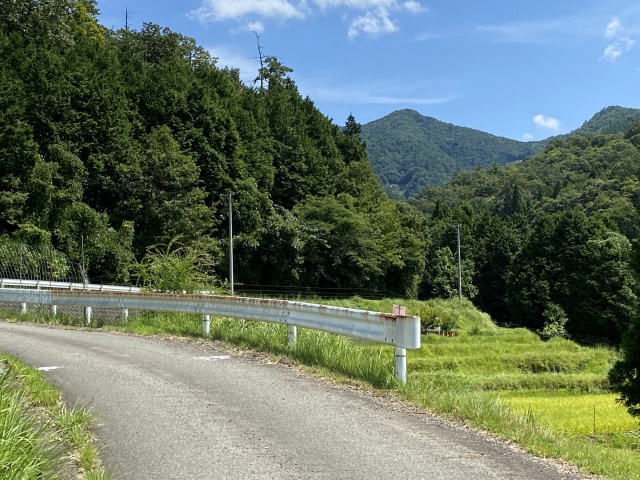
(409,151)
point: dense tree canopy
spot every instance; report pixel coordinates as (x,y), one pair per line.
(550,238)
(625,374)
(114,144)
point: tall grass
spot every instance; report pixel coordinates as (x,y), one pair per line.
(40,437)
(27,451)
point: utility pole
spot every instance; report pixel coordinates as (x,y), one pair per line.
(229,197)
(459,267)
(231,242)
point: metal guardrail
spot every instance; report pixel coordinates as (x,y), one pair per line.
(46,284)
(398,329)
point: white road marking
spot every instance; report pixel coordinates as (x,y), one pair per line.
(48,369)
(214,358)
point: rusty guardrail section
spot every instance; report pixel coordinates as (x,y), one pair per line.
(402,331)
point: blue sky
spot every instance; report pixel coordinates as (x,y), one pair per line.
(521,69)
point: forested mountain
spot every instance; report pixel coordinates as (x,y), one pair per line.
(610,120)
(409,151)
(547,242)
(115,145)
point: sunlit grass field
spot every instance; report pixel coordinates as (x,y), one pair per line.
(573,414)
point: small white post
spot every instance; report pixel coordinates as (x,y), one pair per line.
(400,353)
(23,308)
(401,364)
(206,324)
(293,334)
(125,315)
(87,315)
(54,310)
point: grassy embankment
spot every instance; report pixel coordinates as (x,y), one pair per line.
(40,438)
(550,397)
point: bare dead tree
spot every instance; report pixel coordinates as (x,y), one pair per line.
(127,15)
(260,76)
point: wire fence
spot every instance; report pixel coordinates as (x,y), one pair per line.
(24,262)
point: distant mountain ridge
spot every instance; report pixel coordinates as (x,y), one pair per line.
(409,151)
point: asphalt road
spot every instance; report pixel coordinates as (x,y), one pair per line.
(174,409)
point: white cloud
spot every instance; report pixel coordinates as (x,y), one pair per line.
(619,43)
(356,4)
(614,26)
(555,30)
(220,10)
(612,52)
(373,24)
(414,7)
(542,121)
(257,27)
(368,95)
(527,137)
(375,19)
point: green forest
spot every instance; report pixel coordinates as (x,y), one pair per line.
(119,145)
(547,243)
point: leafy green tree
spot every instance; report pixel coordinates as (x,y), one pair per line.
(441,276)
(273,254)
(87,239)
(55,184)
(340,245)
(555,320)
(441,279)
(351,146)
(494,242)
(576,263)
(18,150)
(625,374)
(403,244)
(165,188)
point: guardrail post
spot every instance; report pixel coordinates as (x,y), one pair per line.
(401,364)
(293,334)
(54,310)
(125,315)
(206,324)
(400,353)
(87,315)
(23,308)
